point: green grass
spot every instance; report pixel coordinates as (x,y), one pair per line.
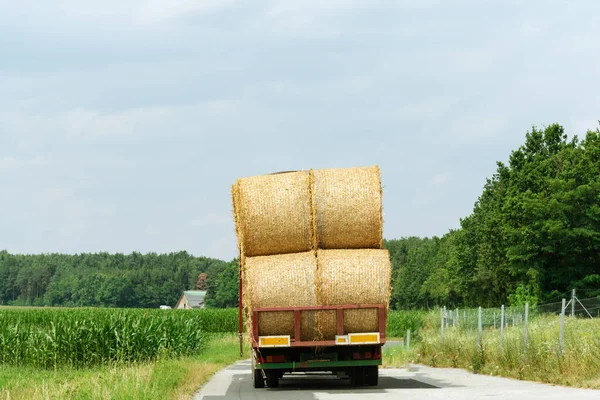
(52,338)
(84,337)
(175,378)
(578,365)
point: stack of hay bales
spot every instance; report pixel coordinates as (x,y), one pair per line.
(312,238)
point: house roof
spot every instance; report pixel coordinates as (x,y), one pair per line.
(195,297)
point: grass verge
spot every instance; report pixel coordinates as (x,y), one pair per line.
(578,365)
(162,379)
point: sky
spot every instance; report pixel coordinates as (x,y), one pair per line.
(123,124)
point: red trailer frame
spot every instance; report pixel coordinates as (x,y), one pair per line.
(296,342)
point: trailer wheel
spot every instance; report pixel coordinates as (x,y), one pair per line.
(257,379)
(372,375)
(357,376)
(272,379)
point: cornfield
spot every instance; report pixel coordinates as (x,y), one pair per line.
(401,321)
(50,338)
(82,337)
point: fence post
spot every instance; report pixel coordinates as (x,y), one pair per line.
(573,303)
(479,330)
(442,332)
(525,327)
(457,317)
(501,326)
(562,327)
(408,339)
(445,317)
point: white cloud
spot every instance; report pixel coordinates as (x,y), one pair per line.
(422,198)
(439,179)
(152,230)
(211,219)
(12,163)
(157,106)
(433,108)
(312,18)
(580,127)
(157,11)
(82,122)
(63,203)
(478,126)
(90,123)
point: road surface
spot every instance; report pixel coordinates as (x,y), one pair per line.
(417,382)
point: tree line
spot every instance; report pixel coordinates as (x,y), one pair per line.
(534,233)
(111,280)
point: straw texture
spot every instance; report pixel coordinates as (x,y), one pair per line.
(274,214)
(235,197)
(282,218)
(352,277)
(285,280)
(348,208)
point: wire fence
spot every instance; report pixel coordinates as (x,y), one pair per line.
(486,319)
(514,316)
(582,308)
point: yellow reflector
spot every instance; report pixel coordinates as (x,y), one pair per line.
(341,339)
(363,338)
(273,341)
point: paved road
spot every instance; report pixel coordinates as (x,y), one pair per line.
(418,382)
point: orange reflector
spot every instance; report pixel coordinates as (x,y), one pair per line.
(341,339)
(273,341)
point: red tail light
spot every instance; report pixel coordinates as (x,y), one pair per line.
(367,355)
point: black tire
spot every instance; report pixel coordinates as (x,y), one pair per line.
(257,379)
(372,375)
(357,376)
(272,379)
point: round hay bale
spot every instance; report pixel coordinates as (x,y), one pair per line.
(235,197)
(275,214)
(352,277)
(348,208)
(285,280)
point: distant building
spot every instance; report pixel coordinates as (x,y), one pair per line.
(191,299)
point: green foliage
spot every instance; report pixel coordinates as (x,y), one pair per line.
(534,232)
(223,286)
(51,338)
(401,321)
(102,279)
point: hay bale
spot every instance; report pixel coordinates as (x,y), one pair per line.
(352,277)
(348,208)
(235,197)
(285,280)
(275,214)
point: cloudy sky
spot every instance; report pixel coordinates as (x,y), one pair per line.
(124,123)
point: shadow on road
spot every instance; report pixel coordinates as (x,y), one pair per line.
(332,383)
(303,386)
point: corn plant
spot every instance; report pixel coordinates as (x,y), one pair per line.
(50,338)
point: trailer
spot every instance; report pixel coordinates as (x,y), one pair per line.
(355,355)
